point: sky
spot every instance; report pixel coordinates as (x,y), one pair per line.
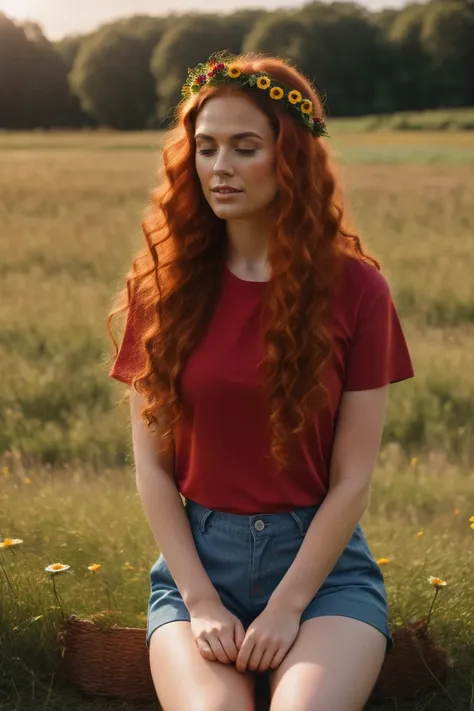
(62,17)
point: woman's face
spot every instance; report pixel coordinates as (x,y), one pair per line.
(235,146)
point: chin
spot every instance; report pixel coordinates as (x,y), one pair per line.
(227,211)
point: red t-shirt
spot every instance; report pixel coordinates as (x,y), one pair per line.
(222,443)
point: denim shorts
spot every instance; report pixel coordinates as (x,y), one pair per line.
(246,557)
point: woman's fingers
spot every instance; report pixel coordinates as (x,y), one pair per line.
(278,658)
(255,659)
(228,643)
(266,660)
(239,635)
(219,634)
(206,650)
(217,650)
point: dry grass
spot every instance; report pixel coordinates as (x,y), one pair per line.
(70,207)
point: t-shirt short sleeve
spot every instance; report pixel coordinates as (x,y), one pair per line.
(378,353)
(131,356)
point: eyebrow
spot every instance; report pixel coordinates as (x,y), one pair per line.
(245,134)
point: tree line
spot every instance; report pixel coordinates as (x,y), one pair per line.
(128,74)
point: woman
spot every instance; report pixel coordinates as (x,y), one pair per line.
(260,343)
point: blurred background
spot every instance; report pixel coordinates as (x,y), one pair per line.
(87,90)
(97,64)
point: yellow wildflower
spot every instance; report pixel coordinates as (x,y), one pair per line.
(263,82)
(277,93)
(307,107)
(294,97)
(471,520)
(472,526)
(27,480)
(9,542)
(57,568)
(437,582)
(413,461)
(94,567)
(383,561)
(233,71)
(420,533)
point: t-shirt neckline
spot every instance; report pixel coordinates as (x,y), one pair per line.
(245,282)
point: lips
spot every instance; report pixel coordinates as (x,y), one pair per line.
(223,189)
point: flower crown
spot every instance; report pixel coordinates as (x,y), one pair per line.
(220,69)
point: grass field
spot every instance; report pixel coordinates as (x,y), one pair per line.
(452,120)
(70,208)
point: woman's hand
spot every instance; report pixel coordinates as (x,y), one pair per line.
(268,639)
(217,632)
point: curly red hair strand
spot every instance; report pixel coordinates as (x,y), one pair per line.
(174,277)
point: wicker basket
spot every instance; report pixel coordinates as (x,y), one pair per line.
(106,662)
(114,662)
(415,667)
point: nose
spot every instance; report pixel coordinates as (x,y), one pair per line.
(222,165)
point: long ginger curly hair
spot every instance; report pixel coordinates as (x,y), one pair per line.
(175,278)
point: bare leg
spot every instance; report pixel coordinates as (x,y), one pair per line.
(184,680)
(332,666)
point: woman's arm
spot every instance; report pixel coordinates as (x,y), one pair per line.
(165,512)
(356,447)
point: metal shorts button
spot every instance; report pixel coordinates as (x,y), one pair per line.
(259,525)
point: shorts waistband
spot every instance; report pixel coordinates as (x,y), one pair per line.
(269,523)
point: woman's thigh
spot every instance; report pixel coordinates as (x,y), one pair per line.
(184,680)
(332,666)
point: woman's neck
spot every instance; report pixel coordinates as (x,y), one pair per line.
(247,248)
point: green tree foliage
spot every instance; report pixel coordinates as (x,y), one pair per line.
(238,25)
(68,48)
(51,98)
(149,30)
(447,38)
(384,19)
(412,63)
(15,60)
(129,73)
(33,79)
(242,22)
(112,80)
(186,43)
(282,34)
(347,58)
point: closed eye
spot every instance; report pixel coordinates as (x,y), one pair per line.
(243,151)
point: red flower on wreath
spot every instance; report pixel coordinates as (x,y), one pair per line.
(216,68)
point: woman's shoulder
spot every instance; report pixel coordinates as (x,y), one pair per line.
(360,277)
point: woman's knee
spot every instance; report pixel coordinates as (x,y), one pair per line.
(185,680)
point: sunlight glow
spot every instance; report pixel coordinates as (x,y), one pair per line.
(20,8)
(58,18)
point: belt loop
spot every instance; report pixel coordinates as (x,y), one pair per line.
(204,518)
(298,521)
